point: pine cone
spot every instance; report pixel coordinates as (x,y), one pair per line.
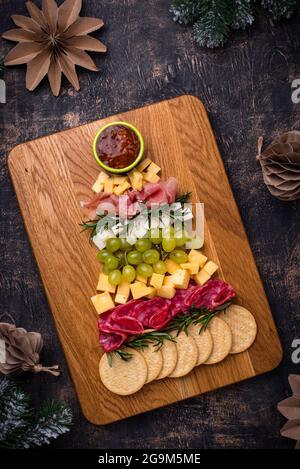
(22,351)
(280,164)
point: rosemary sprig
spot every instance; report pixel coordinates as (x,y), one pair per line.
(89,225)
(120,353)
(183,198)
(181,322)
(144,340)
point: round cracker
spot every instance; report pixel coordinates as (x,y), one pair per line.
(154,361)
(222,340)
(203,341)
(123,377)
(187,355)
(243,327)
(169,356)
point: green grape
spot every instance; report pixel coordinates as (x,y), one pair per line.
(143,244)
(168,244)
(144,270)
(113,244)
(179,256)
(180,242)
(159,267)
(105,269)
(151,256)
(134,257)
(119,255)
(125,246)
(155,235)
(115,277)
(128,273)
(102,255)
(111,262)
(168,232)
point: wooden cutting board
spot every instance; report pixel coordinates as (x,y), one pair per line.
(51,175)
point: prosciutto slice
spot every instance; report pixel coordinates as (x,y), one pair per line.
(131,203)
(123,321)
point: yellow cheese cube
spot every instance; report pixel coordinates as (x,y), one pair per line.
(166,292)
(202,277)
(136,180)
(119,180)
(109,186)
(192,267)
(171,266)
(151,177)
(104,285)
(123,292)
(210,267)
(157,280)
(153,168)
(139,289)
(197,256)
(103,176)
(152,294)
(98,187)
(168,281)
(181,278)
(143,164)
(121,188)
(140,278)
(102,302)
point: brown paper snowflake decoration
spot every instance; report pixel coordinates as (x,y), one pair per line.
(280,164)
(52,41)
(290,408)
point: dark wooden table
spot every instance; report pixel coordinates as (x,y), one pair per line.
(246,88)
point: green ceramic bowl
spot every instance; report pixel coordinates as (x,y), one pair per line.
(136,161)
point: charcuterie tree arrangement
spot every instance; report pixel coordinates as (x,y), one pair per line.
(161,312)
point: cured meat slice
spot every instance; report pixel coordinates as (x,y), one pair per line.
(129,204)
(128,325)
(160,314)
(137,315)
(162,192)
(178,302)
(128,309)
(153,313)
(111,341)
(211,295)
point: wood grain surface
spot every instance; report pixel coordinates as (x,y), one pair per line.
(246,88)
(53,174)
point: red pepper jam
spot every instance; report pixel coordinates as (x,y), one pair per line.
(118,146)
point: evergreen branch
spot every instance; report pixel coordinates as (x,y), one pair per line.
(280,8)
(213,20)
(21,427)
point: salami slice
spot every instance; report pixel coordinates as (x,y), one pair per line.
(178,302)
(211,295)
(135,316)
(128,325)
(161,316)
(125,310)
(111,341)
